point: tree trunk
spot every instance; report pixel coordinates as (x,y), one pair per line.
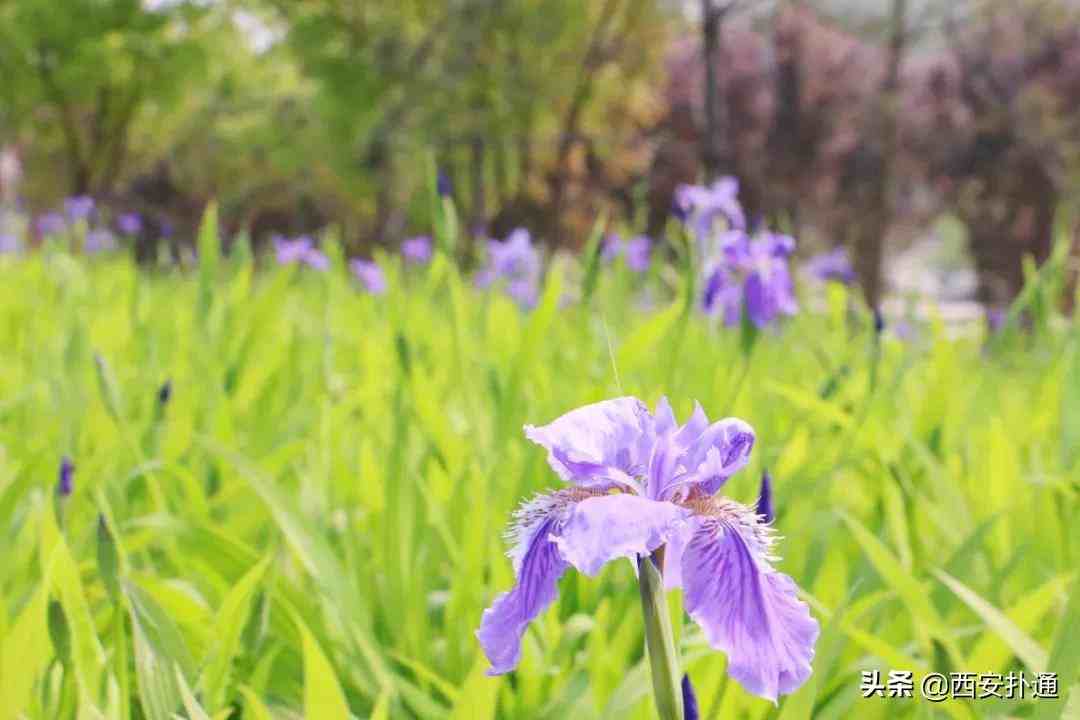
(478,214)
(873,227)
(713,137)
(590,63)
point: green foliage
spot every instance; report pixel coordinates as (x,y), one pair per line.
(315,527)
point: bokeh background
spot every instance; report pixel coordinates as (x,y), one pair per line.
(934,139)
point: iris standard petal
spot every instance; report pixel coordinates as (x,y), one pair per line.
(664,417)
(719,452)
(610,434)
(606,527)
(746,608)
(538,566)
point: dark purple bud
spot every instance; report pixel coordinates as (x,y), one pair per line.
(680,210)
(764,502)
(164,393)
(443,185)
(757,224)
(879,321)
(66,482)
(689,700)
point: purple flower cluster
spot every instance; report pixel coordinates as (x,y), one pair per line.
(99,240)
(636,252)
(639,481)
(743,274)
(831,266)
(51,223)
(300,250)
(129,223)
(369,274)
(9,243)
(416,250)
(80,207)
(514,262)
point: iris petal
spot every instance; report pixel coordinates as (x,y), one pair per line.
(719,452)
(538,565)
(607,527)
(610,434)
(746,608)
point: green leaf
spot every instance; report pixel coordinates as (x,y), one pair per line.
(593,254)
(209,244)
(639,347)
(1064,656)
(1025,648)
(992,652)
(195,711)
(108,560)
(231,618)
(910,590)
(323,697)
(160,654)
(478,694)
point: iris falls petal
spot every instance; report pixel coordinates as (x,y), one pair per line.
(607,527)
(538,566)
(746,608)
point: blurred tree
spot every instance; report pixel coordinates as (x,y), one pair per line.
(995,124)
(484,83)
(79,73)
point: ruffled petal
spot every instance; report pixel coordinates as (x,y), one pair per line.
(718,453)
(607,527)
(585,443)
(746,608)
(538,566)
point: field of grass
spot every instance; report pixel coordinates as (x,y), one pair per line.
(312,523)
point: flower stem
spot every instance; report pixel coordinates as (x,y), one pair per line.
(659,641)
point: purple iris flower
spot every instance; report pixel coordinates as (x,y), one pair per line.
(995,319)
(317,260)
(99,240)
(9,243)
(751,275)
(639,481)
(416,250)
(515,262)
(639,253)
(79,207)
(51,223)
(723,294)
(701,206)
(300,250)
(129,223)
(612,247)
(832,266)
(288,251)
(65,483)
(369,274)
(636,251)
